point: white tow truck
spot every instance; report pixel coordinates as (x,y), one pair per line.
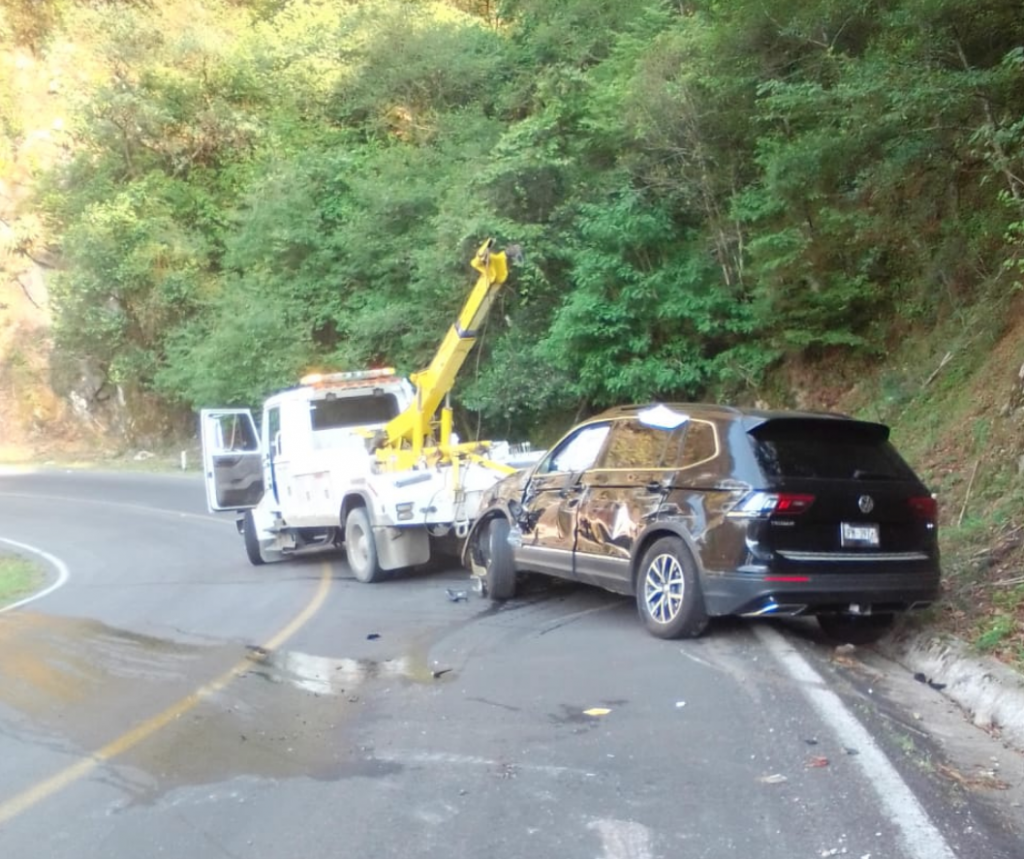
(358,458)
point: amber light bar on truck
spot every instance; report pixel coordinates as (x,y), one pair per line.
(323,379)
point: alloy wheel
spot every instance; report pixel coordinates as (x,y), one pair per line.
(664,588)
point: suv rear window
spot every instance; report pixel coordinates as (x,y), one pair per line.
(828,449)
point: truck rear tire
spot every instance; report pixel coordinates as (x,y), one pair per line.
(252,541)
(360,548)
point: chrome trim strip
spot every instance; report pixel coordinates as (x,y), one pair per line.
(852,557)
(542,549)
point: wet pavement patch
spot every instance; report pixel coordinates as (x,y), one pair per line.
(324,675)
(78,685)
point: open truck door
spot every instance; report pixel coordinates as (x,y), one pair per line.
(232,459)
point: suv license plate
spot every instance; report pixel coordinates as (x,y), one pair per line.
(865,536)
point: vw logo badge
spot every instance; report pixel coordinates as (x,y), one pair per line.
(866,503)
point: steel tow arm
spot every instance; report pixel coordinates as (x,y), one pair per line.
(410,436)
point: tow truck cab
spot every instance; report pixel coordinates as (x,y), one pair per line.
(305,434)
(363,458)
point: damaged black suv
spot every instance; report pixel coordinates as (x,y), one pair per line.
(702,511)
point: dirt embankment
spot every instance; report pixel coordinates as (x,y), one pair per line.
(34,137)
(954,395)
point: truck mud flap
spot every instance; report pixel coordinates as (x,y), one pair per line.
(401,547)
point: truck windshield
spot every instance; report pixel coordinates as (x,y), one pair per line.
(359,411)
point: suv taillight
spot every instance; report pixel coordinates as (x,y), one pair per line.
(924,508)
(761,505)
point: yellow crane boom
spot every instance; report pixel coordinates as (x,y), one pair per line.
(410,436)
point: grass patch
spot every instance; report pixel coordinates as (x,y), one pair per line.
(18,578)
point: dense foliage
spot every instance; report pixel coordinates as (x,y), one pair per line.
(701,188)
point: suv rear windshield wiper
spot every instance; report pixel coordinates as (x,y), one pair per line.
(861,474)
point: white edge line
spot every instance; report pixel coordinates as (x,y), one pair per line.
(921,839)
(123,505)
(62,573)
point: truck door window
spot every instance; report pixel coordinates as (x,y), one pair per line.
(273,427)
(235,433)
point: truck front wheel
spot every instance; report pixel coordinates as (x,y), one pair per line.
(360,547)
(252,541)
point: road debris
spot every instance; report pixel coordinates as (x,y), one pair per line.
(597,711)
(439,672)
(850,751)
(680,705)
(811,742)
(775,778)
(373,636)
(456,596)
(842,657)
(922,678)
(983,780)
(817,761)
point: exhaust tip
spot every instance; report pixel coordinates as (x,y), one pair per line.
(774,609)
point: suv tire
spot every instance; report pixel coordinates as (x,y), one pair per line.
(360,548)
(668,592)
(500,578)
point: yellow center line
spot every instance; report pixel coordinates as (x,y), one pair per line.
(127,741)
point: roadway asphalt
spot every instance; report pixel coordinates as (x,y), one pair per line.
(171,700)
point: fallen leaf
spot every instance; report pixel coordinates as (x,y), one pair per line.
(817,761)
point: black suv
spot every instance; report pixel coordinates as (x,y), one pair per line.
(704,510)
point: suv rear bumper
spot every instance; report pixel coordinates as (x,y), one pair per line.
(764,594)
